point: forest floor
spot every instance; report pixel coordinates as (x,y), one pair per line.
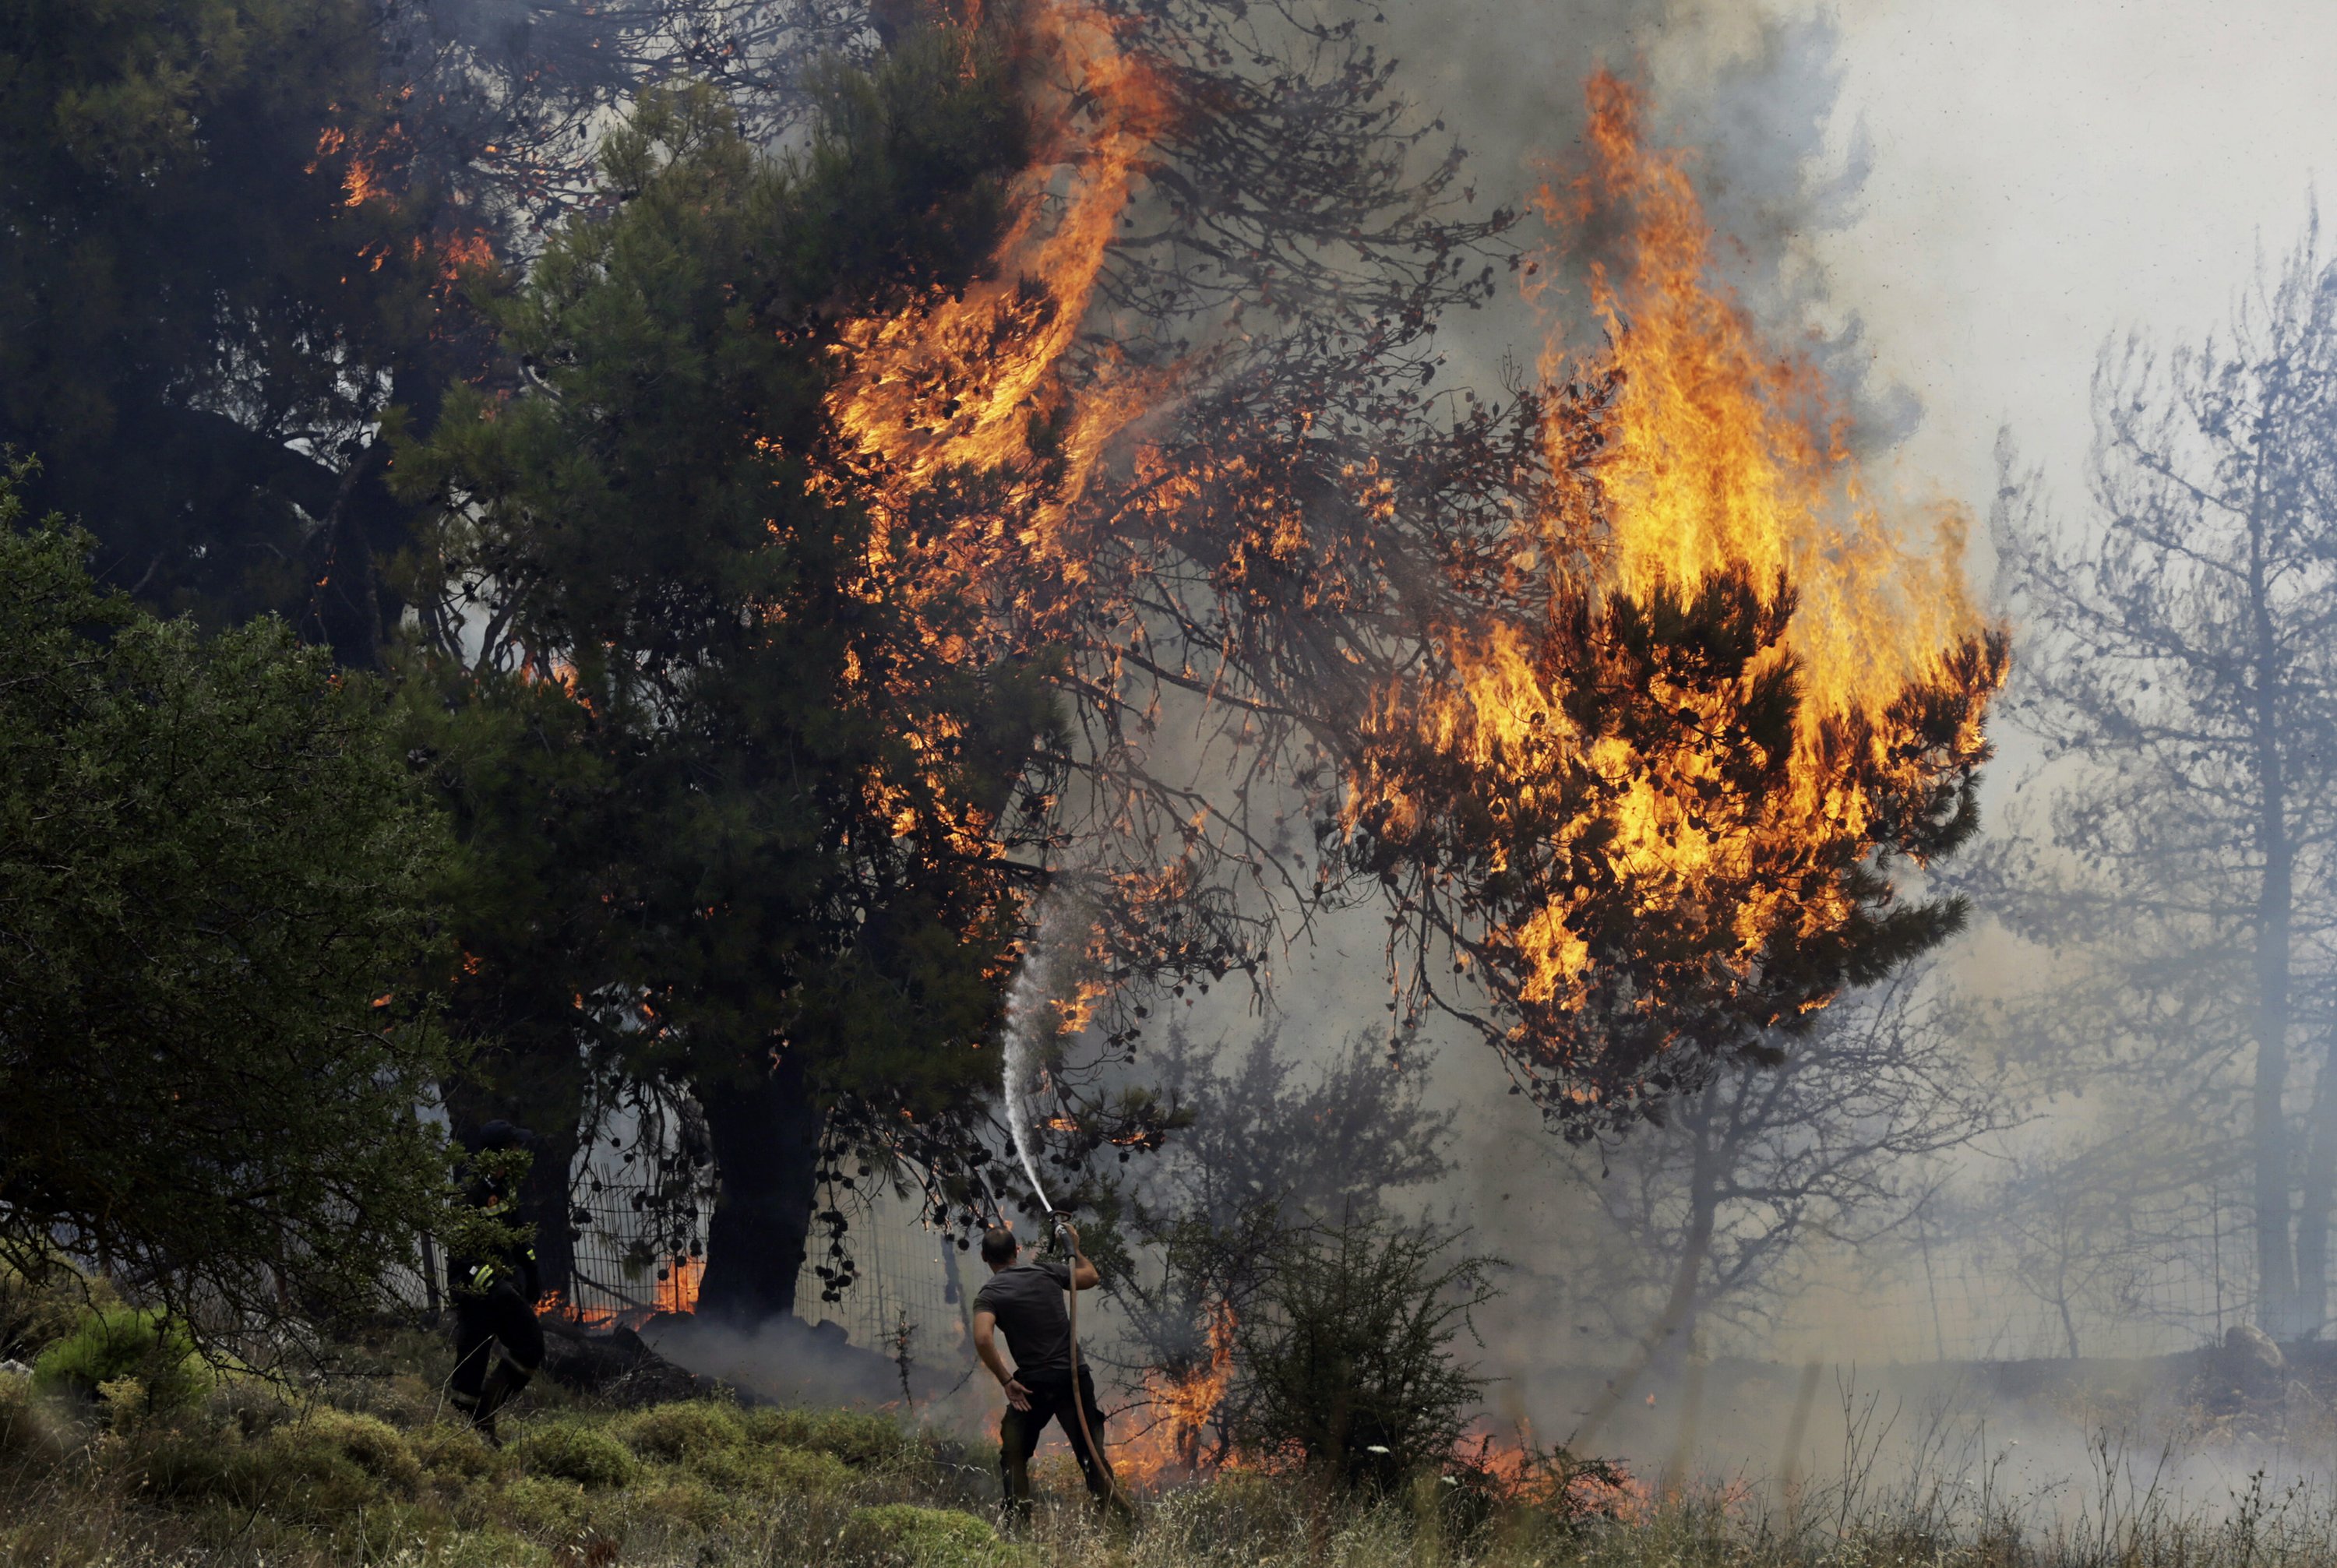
(367,1466)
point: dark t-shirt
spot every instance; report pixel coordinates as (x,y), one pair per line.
(1028,1302)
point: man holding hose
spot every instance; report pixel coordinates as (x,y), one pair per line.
(1026,1300)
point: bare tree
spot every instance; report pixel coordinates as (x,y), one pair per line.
(2179,676)
(1271,1150)
(1836,1143)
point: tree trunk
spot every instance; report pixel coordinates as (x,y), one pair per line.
(766,1135)
(545,1193)
(1679,1312)
(532,1092)
(2312,1215)
(2276,1283)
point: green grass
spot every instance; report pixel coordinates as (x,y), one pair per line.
(367,1468)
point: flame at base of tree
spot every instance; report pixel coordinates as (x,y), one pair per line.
(1180,1411)
(678,1282)
(676,1288)
(1651,805)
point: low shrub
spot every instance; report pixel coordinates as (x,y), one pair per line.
(546,1508)
(125,1346)
(683,1431)
(490,1548)
(856,1438)
(454,1452)
(1349,1359)
(804,1471)
(369,1443)
(684,1503)
(38,1309)
(574,1452)
(902,1536)
(27,1430)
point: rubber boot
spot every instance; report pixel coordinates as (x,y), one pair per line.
(502,1384)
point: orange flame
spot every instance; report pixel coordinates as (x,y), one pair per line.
(1182,1409)
(1719,456)
(1698,465)
(963,381)
(678,1291)
(555,1305)
(1519,1472)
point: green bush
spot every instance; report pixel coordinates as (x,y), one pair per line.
(37,1310)
(901,1535)
(370,1444)
(490,1548)
(546,1506)
(1349,1359)
(684,1431)
(121,1345)
(299,1473)
(858,1439)
(574,1452)
(454,1452)
(801,1470)
(682,1504)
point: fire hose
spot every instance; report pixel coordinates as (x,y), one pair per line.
(1078,1398)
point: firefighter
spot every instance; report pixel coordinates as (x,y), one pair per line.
(494,1294)
(1025,1301)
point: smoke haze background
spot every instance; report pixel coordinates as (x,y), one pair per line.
(1955,207)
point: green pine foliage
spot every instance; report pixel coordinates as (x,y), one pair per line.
(215,881)
(697,761)
(209,284)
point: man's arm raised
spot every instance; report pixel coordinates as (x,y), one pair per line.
(1083,1273)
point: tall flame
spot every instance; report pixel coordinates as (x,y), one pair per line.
(1721,456)
(965,380)
(1608,756)
(678,1291)
(1181,1408)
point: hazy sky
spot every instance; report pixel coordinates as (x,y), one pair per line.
(2039,173)
(2045,173)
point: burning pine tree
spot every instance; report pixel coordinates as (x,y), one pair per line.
(1079,505)
(1666,735)
(1626,698)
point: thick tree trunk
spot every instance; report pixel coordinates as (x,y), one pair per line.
(766,1135)
(545,1194)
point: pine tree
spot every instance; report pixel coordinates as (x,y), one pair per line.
(773,851)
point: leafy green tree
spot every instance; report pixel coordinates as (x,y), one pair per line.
(214,885)
(778,871)
(214,276)
(1350,1363)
